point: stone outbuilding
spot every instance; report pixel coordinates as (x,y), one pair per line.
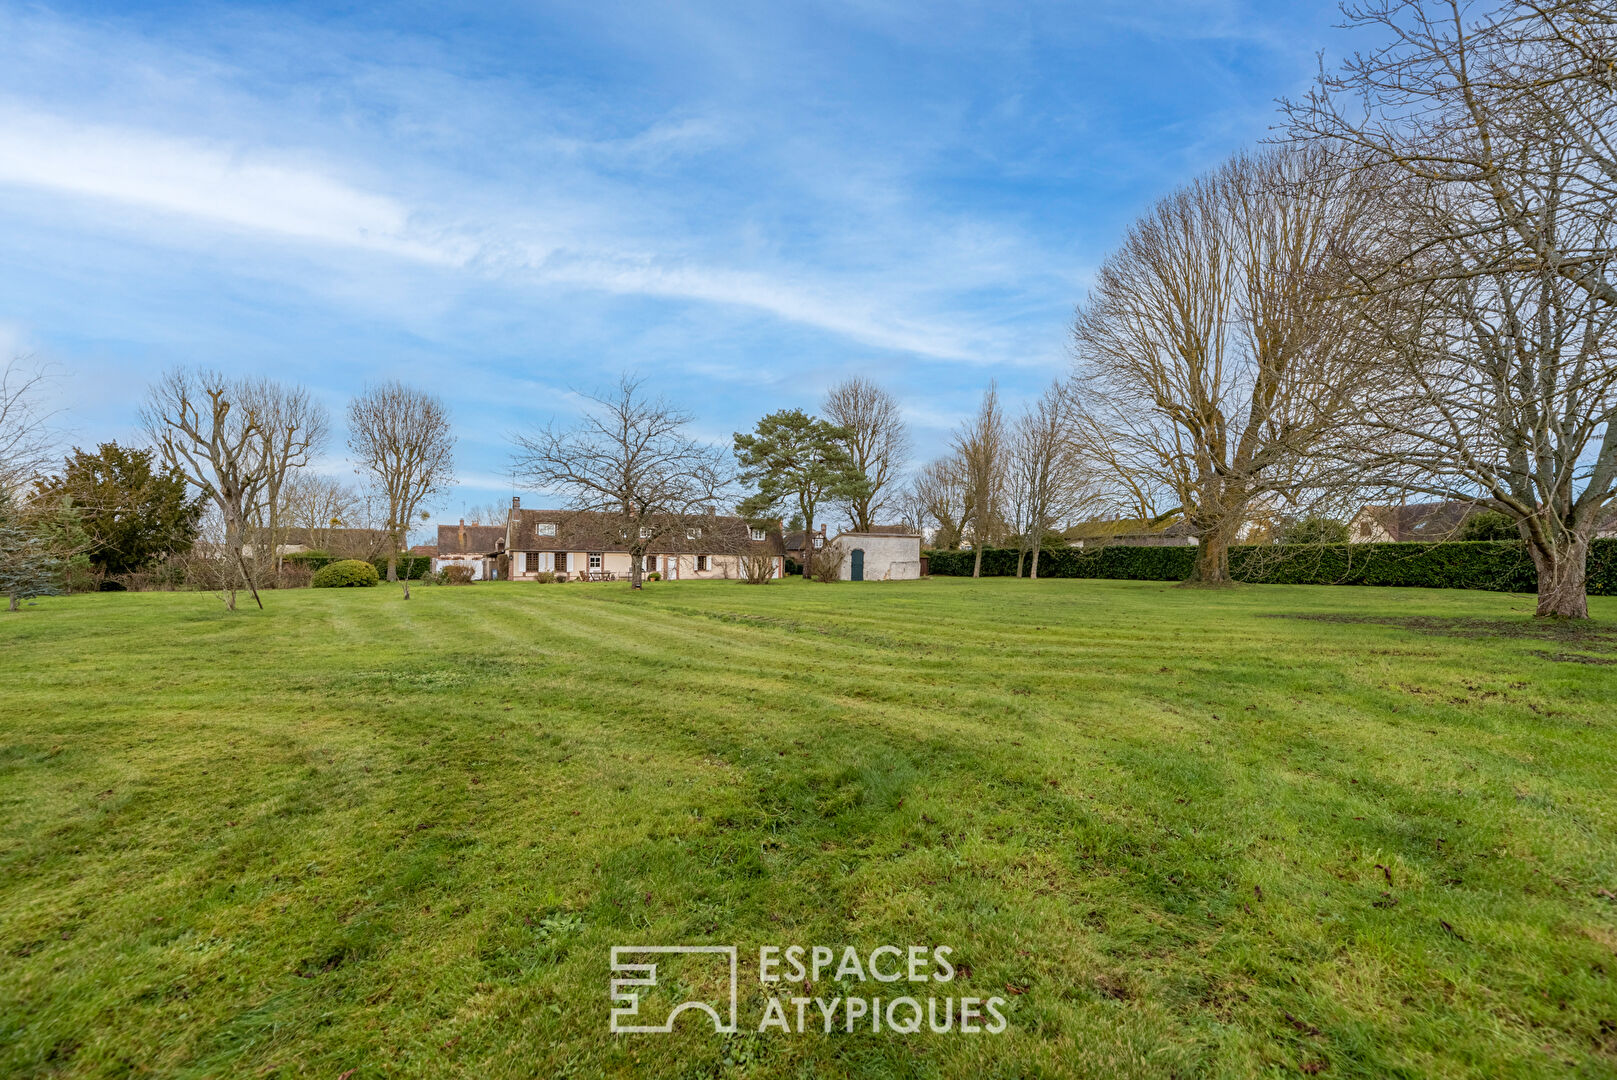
(883,554)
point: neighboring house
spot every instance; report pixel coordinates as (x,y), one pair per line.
(479,547)
(338,541)
(584,543)
(426,551)
(1130,532)
(879,554)
(1409,521)
(796,543)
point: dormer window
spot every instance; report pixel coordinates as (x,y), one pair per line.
(546,528)
(645,533)
(693,533)
(758,534)
(819,541)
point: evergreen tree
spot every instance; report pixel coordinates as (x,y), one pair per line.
(134,511)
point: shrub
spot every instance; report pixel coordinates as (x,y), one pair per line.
(757,569)
(655,575)
(456,575)
(344,574)
(1488,525)
(546,577)
(828,564)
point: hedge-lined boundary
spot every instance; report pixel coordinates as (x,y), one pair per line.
(1494,565)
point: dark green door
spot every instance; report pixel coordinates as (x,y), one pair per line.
(858,564)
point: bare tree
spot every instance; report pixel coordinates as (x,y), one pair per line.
(202,426)
(1496,127)
(630,459)
(1047,484)
(401,438)
(1502,388)
(1214,353)
(25,438)
(294,428)
(1501,108)
(321,506)
(938,494)
(981,445)
(878,442)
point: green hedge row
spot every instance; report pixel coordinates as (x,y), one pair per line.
(413,567)
(1496,565)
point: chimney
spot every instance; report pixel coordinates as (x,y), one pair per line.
(516,502)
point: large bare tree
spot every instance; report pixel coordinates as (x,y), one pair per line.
(202,425)
(1215,353)
(1494,128)
(878,442)
(980,444)
(1502,388)
(401,439)
(630,458)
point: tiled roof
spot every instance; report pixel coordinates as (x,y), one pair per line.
(583,530)
(470,539)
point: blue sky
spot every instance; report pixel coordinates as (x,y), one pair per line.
(506,204)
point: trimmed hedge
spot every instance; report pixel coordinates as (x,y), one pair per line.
(345,574)
(1495,565)
(411,567)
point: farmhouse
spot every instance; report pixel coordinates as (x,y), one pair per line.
(586,544)
(883,553)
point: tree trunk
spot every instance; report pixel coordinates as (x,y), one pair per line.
(808,545)
(1562,573)
(637,566)
(13,602)
(1035,574)
(977,559)
(1213,555)
(1021,557)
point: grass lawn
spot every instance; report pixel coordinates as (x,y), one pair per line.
(1270,831)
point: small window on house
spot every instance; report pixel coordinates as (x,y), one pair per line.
(758,534)
(693,533)
(819,541)
(595,560)
(701,564)
(546,528)
(651,563)
(561,561)
(645,533)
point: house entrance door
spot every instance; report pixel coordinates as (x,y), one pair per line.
(858,564)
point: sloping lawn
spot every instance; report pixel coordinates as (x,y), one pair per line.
(1270,831)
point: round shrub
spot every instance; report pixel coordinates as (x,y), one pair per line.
(345,574)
